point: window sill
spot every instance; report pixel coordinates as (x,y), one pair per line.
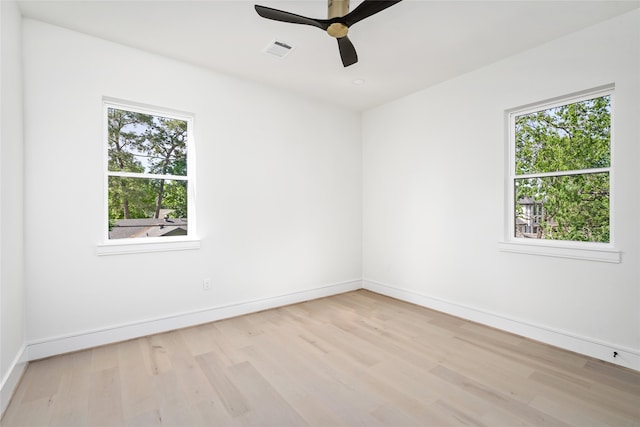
(562,251)
(120,248)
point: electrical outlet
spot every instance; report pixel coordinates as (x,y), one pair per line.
(206,284)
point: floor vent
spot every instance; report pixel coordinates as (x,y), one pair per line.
(278,48)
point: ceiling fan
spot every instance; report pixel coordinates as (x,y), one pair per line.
(338,22)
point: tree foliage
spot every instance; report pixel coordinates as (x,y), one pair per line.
(554,148)
(143,143)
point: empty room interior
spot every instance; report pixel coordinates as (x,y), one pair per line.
(211,213)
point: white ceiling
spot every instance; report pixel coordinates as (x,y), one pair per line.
(405,48)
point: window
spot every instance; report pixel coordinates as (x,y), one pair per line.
(149,174)
(560,171)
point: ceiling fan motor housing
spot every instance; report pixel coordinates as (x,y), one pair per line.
(337,30)
(338,9)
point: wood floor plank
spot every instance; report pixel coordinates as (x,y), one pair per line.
(317,413)
(198,340)
(103,357)
(33,413)
(611,376)
(146,419)
(458,413)
(212,413)
(137,388)
(44,378)
(498,398)
(229,395)
(267,407)
(157,351)
(355,359)
(578,413)
(173,404)
(626,409)
(105,398)
(72,406)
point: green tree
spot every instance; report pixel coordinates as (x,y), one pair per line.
(165,142)
(175,197)
(561,143)
(143,143)
(124,195)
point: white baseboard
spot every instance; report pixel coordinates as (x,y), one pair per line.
(34,350)
(88,339)
(626,357)
(12,378)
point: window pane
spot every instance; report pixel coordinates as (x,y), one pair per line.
(140,207)
(146,144)
(570,207)
(570,137)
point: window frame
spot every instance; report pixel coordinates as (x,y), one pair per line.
(593,251)
(148,244)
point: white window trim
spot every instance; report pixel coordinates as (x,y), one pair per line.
(591,251)
(151,244)
(148,244)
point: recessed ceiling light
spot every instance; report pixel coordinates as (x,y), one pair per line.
(358,82)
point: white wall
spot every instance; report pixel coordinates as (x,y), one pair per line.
(12,303)
(434,177)
(278,194)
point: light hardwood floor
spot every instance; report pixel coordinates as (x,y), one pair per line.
(356,359)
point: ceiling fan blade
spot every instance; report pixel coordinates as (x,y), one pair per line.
(347,51)
(366,9)
(292,18)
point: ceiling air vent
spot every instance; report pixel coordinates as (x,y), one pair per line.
(278,48)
